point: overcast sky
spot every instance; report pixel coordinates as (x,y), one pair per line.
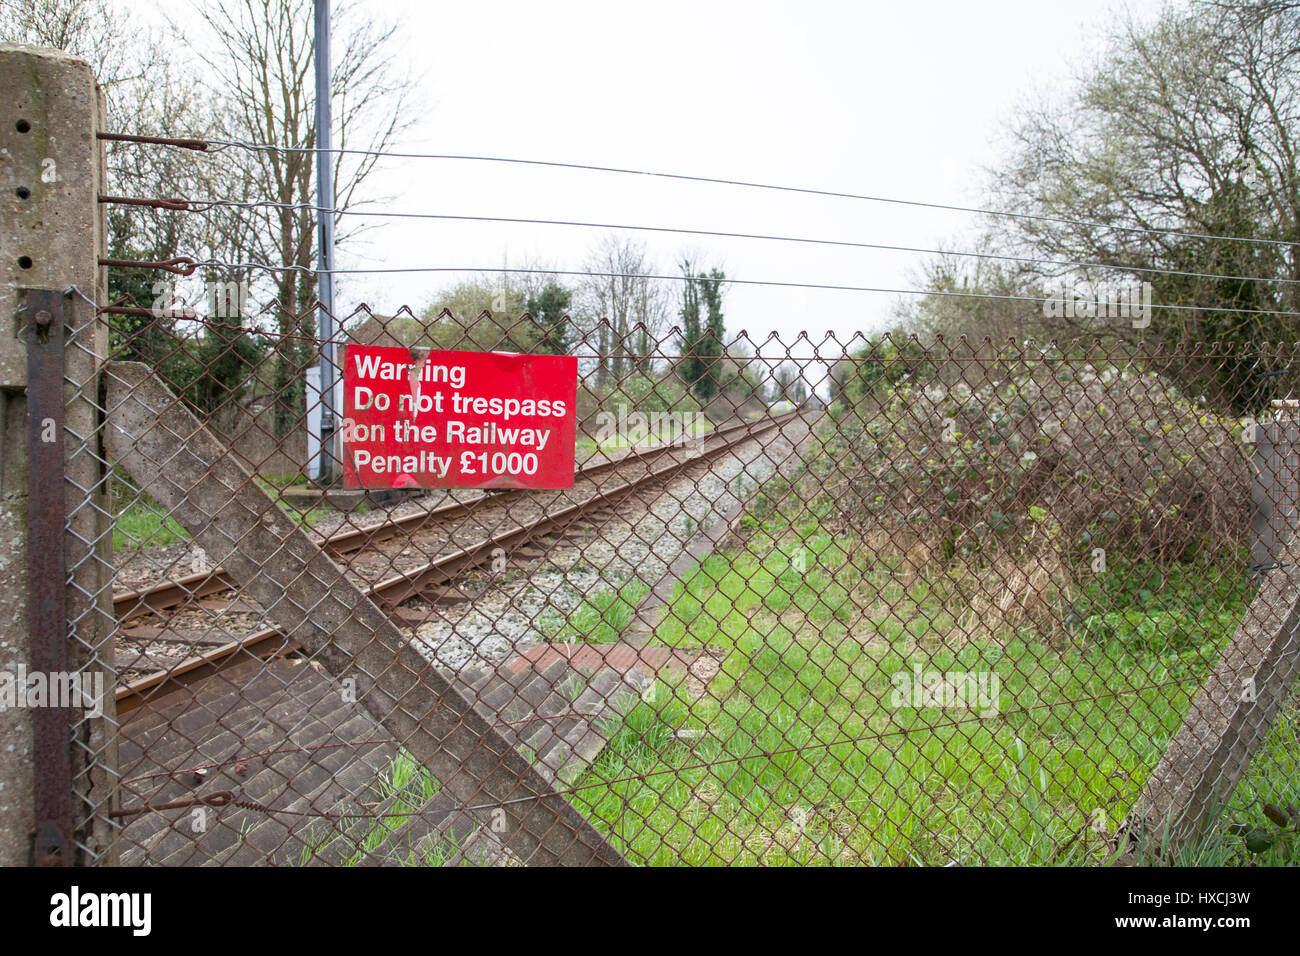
(896,99)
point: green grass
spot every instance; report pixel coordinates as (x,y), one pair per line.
(796,753)
(600,618)
(297,479)
(404,789)
(307,517)
(144,524)
(310,517)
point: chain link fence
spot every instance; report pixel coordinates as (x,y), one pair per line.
(864,602)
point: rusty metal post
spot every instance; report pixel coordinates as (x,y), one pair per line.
(47,572)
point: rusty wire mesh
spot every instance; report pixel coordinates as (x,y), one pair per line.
(882,602)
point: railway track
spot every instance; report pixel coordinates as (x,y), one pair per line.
(429,579)
(176,591)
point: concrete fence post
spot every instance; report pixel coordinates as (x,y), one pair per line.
(57,764)
(1240,699)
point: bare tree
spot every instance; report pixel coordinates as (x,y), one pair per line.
(1174,162)
(979,298)
(256,88)
(120,53)
(146,93)
(624,308)
(260,65)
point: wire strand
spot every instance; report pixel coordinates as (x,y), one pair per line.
(197,205)
(748,184)
(770,283)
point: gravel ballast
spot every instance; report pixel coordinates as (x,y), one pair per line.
(637,545)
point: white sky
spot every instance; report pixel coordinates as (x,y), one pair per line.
(896,99)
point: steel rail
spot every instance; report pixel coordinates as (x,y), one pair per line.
(173,592)
(392,591)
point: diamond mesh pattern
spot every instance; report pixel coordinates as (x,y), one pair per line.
(872,602)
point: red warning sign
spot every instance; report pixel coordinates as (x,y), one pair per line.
(429,419)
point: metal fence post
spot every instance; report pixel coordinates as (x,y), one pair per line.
(51,167)
(325,238)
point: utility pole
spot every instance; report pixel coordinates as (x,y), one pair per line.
(325,239)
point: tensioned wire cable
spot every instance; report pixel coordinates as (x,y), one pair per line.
(846,243)
(203,145)
(748,184)
(772,283)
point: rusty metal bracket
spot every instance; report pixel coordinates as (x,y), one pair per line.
(195,144)
(47,574)
(173,203)
(177,265)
